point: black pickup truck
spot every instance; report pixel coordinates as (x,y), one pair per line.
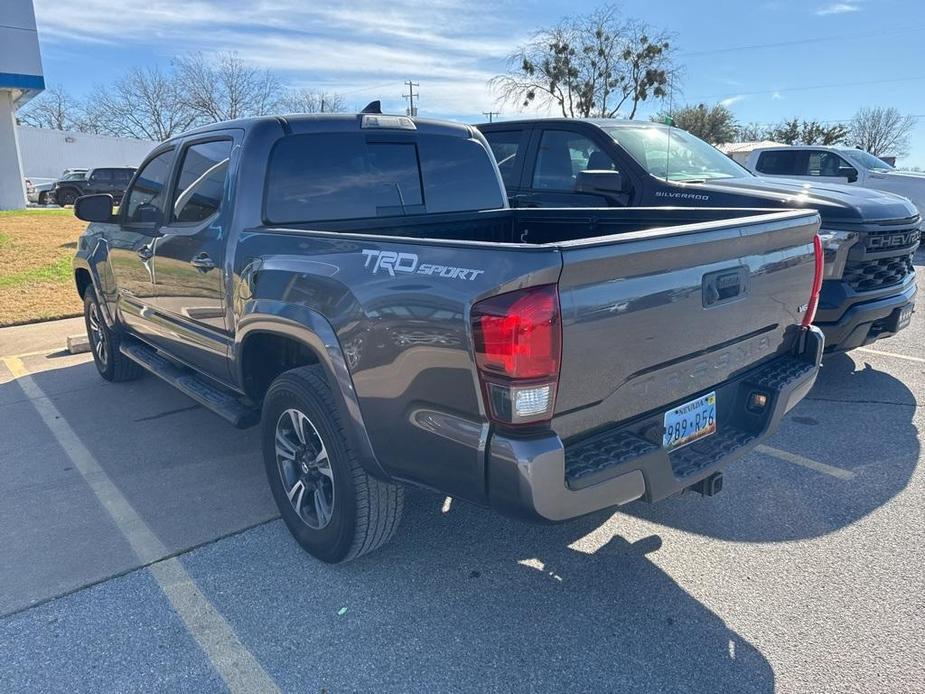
(109,180)
(869,236)
(358,286)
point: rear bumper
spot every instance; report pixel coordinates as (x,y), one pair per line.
(865,321)
(543,479)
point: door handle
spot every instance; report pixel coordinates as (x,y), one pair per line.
(202,262)
(145,253)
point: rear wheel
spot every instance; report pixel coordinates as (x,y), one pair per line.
(331,505)
(43,198)
(104,343)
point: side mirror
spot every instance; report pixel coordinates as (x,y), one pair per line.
(599,182)
(94,208)
(848,172)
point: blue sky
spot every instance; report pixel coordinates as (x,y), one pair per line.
(829,58)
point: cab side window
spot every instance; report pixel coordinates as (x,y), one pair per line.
(201,184)
(149,189)
(562,155)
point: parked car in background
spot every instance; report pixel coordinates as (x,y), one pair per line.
(109,180)
(838,165)
(38,190)
(375,304)
(870,236)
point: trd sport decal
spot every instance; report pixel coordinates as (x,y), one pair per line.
(392,262)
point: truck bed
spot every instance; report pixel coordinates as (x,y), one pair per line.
(644,326)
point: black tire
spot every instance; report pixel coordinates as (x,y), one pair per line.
(66,196)
(362,512)
(104,344)
(43,198)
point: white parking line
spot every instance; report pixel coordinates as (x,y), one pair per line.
(891,354)
(233,662)
(797,459)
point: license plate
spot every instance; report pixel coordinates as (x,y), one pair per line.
(905,316)
(691,421)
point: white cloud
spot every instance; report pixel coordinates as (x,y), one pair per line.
(343,47)
(838,8)
(777,96)
(729,101)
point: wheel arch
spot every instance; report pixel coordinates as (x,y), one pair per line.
(301,337)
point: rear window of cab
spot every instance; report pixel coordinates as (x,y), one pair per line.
(356,175)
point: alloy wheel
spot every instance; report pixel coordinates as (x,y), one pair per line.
(304,468)
(98,335)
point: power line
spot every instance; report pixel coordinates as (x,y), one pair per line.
(800,42)
(412,111)
(808,88)
(491,115)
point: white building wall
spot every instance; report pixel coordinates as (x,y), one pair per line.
(46,153)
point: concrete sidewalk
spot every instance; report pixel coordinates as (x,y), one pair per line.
(49,336)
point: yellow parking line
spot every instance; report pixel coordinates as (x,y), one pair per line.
(797,459)
(892,354)
(234,663)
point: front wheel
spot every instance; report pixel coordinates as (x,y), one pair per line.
(66,196)
(331,505)
(104,343)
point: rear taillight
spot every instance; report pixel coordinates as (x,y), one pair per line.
(518,348)
(813,303)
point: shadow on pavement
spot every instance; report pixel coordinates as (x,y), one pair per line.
(466,598)
(856,418)
(473,601)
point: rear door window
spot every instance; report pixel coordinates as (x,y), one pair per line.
(790,162)
(507,146)
(201,184)
(334,176)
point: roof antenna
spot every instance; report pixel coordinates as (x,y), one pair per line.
(373,107)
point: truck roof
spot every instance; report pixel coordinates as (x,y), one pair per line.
(600,122)
(308,122)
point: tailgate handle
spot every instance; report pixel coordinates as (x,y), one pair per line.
(723,285)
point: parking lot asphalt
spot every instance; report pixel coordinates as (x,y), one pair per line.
(140,551)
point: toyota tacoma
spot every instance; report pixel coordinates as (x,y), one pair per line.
(358,287)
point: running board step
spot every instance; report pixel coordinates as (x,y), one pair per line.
(220,401)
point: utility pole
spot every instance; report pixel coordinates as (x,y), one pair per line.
(410,96)
(491,115)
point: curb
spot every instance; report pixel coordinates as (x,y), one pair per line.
(77,344)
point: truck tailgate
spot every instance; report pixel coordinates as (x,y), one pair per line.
(652,318)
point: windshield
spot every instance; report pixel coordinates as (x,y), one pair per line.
(866,160)
(675,155)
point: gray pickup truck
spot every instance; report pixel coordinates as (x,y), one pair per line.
(358,286)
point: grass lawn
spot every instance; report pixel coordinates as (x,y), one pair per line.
(36,281)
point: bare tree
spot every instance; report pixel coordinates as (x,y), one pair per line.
(225,87)
(145,104)
(592,65)
(311,101)
(54,108)
(714,124)
(882,131)
(752,132)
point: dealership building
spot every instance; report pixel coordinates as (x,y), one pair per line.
(21,78)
